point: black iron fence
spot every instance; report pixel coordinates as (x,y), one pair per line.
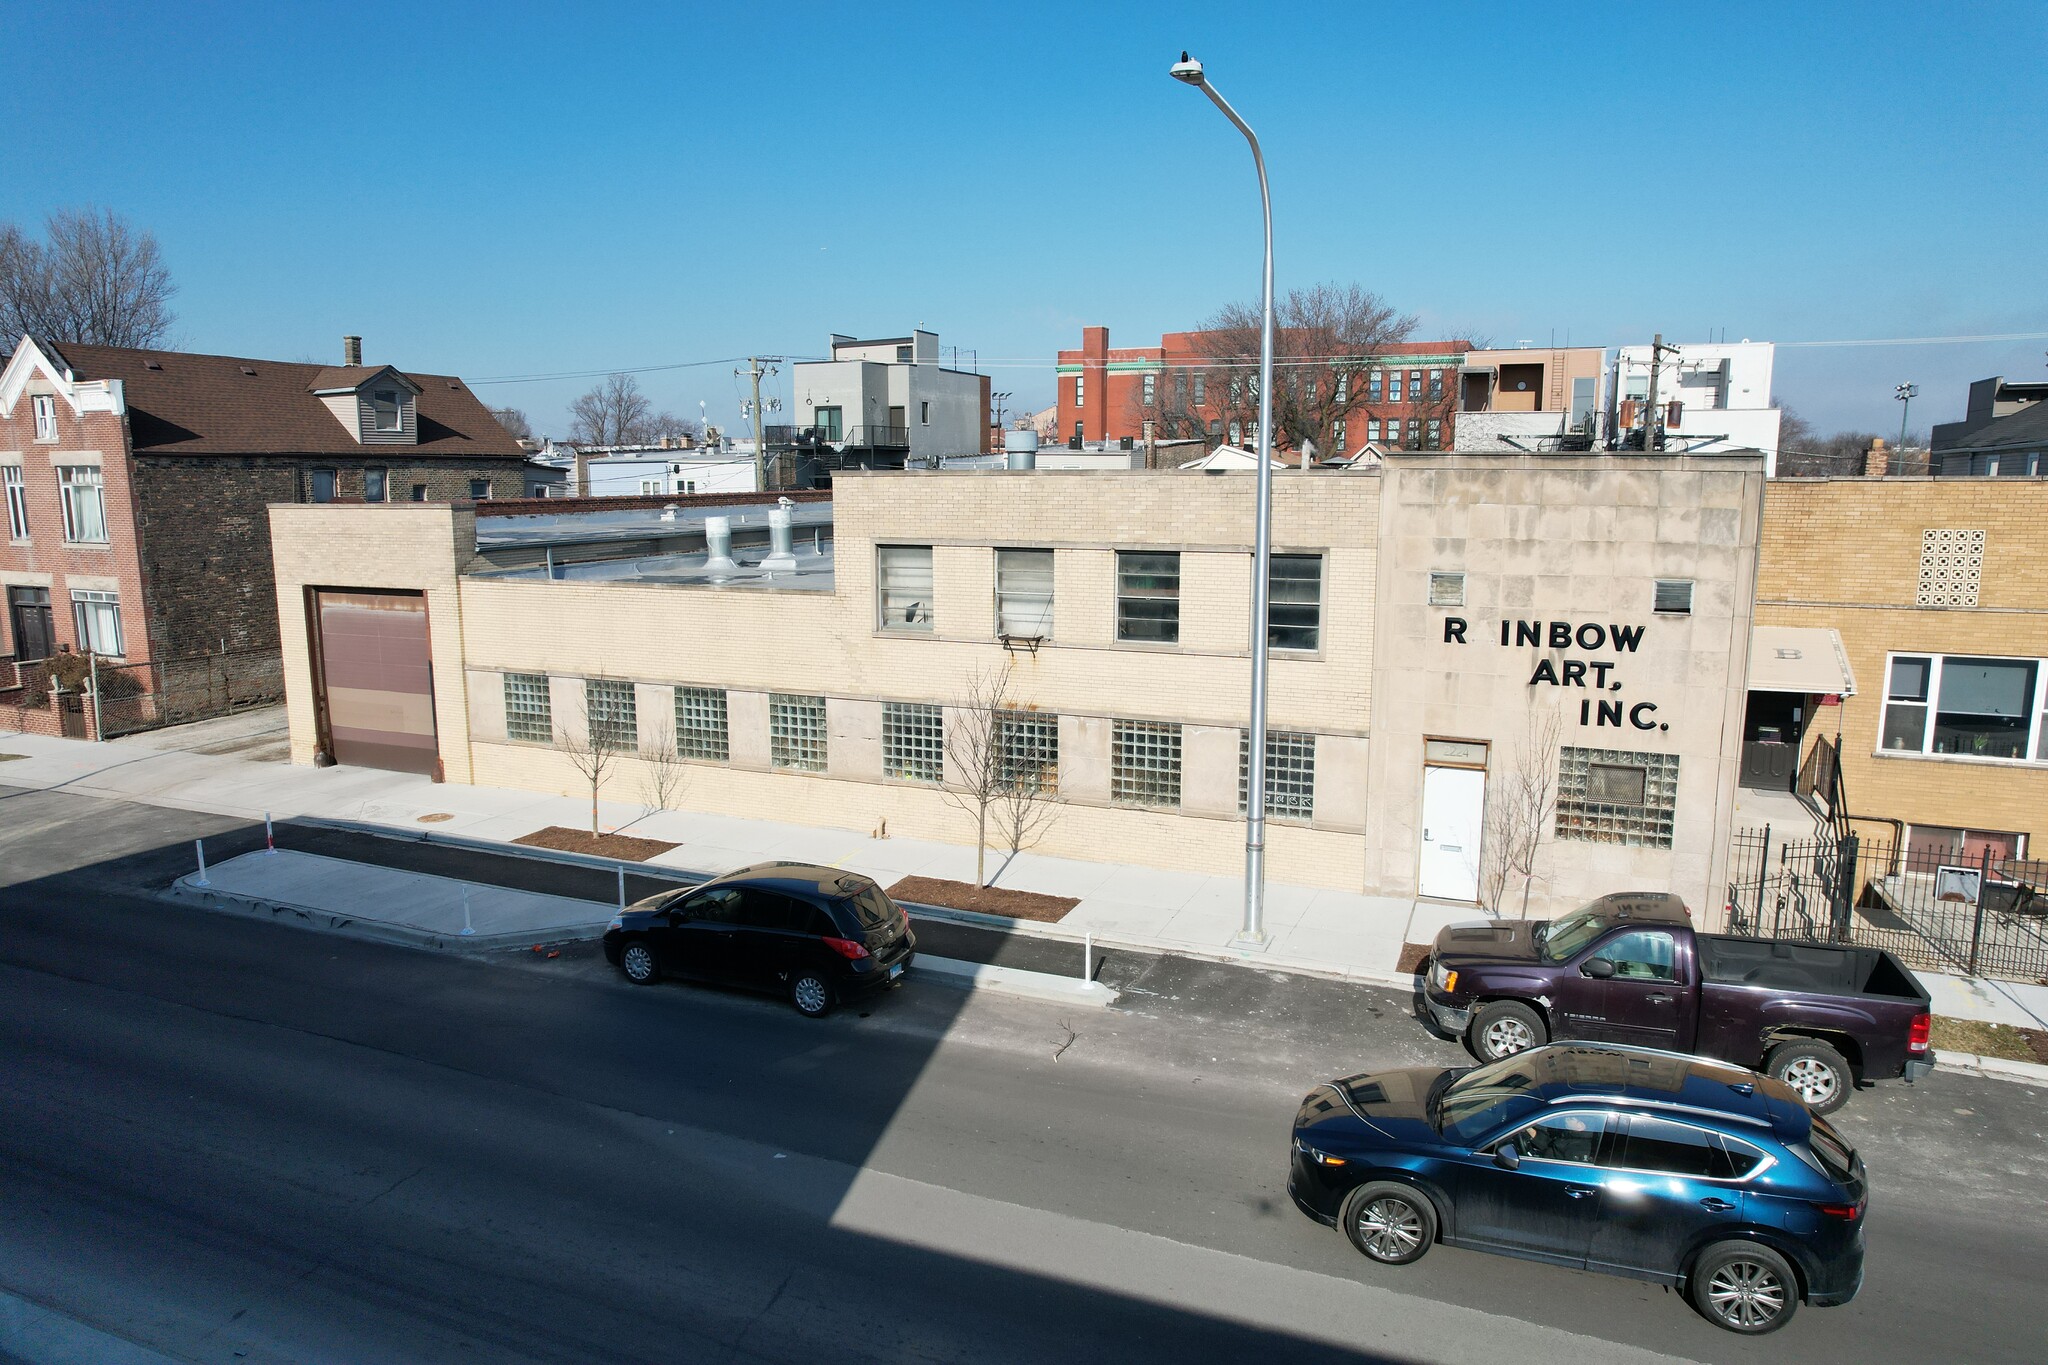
(1979,914)
(172,691)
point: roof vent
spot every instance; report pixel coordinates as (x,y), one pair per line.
(247,370)
(152,364)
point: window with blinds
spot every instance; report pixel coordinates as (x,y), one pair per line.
(903,587)
(1024,593)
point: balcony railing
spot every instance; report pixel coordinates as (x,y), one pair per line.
(870,437)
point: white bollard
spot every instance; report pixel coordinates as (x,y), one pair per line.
(200,846)
(1088,957)
(269,836)
(622,888)
(467,928)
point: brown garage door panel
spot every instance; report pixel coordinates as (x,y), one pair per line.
(378,680)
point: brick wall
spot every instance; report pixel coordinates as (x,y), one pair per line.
(1845,553)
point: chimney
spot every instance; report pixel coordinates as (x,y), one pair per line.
(582,473)
(351,350)
(1876,460)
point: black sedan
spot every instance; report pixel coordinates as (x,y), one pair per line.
(1651,1165)
(818,935)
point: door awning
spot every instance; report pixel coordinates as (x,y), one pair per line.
(1799,659)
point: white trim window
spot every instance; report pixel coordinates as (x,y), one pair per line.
(387,412)
(84,496)
(17,501)
(1024,594)
(376,485)
(1966,706)
(1294,595)
(903,587)
(44,405)
(98,618)
(1080,391)
(1151,383)
(1148,596)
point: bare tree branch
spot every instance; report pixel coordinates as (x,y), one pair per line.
(515,423)
(595,746)
(663,773)
(994,772)
(615,413)
(97,281)
(1521,807)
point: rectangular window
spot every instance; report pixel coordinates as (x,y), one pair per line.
(419,492)
(924,412)
(1436,385)
(45,407)
(1148,596)
(1151,389)
(1236,434)
(1374,386)
(828,422)
(903,587)
(1080,390)
(1905,706)
(85,503)
(700,724)
(1294,588)
(17,501)
(1290,774)
(1609,796)
(1372,429)
(1201,390)
(1673,597)
(1436,434)
(1447,590)
(1394,432)
(98,618)
(376,485)
(1343,394)
(613,714)
(1337,436)
(529,714)
(651,488)
(385,409)
(913,742)
(1024,593)
(1215,426)
(479,490)
(1394,387)
(1029,752)
(323,484)
(1145,763)
(796,732)
(1984,708)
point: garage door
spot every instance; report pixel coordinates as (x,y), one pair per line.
(378,680)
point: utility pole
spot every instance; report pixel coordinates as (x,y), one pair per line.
(1657,350)
(754,371)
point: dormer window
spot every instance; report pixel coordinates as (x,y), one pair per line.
(376,405)
(385,410)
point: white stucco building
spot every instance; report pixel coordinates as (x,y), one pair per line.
(893,397)
(1711,396)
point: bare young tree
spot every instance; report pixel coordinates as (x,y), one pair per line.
(615,413)
(665,425)
(1520,810)
(595,747)
(515,423)
(992,770)
(1326,339)
(664,774)
(95,280)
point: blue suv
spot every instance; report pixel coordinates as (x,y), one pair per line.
(1653,1165)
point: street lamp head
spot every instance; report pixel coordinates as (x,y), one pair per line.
(1187,70)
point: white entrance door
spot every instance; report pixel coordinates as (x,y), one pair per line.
(1453,811)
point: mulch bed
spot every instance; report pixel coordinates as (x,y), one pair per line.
(566,840)
(988,900)
(1413,955)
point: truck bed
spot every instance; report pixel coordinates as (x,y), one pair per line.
(1820,968)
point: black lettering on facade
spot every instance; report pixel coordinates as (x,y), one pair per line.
(1529,633)
(1454,630)
(1626,637)
(1638,711)
(1586,711)
(1545,673)
(1574,673)
(1560,635)
(1597,638)
(1600,671)
(1610,713)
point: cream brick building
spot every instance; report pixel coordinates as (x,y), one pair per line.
(810,696)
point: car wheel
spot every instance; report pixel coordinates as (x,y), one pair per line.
(1744,1287)
(811,994)
(1504,1028)
(636,961)
(1816,1072)
(1389,1223)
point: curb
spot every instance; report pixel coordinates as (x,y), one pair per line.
(1997,1068)
(652,871)
(976,976)
(183,892)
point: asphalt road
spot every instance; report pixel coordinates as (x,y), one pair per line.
(233,1141)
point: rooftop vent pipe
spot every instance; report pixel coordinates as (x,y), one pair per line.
(780,558)
(718,545)
(351,350)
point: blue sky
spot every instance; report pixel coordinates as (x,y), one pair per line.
(506,189)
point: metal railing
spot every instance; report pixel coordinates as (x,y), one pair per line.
(865,437)
(1938,909)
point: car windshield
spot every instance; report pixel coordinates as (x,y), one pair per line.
(874,909)
(1562,937)
(1481,1100)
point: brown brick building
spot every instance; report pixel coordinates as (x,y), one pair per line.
(136,484)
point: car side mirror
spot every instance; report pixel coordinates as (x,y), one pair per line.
(1599,968)
(1507,1157)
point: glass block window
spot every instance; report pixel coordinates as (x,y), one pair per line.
(913,742)
(1145,763)
(1613,796)
(1024,593)
(1447,590)
(796,732)
(1294,604)
(700,724)
(1951,567)
(903,587)
(1290,774)
(1030,751)
(614,715)
(528,713)
(1148,596)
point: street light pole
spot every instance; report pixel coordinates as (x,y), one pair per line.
(1904,393)
(1253,932)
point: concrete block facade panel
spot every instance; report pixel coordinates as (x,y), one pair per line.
(487,706)
(654,707)
(1342,797)
(746,723)
(1085,744)
(854,739)
(1209,770)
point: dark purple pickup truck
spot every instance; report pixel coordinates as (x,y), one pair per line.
(1629,969)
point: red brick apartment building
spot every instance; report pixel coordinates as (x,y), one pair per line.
(1403,398)
(136,484)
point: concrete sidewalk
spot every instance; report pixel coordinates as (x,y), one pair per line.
(1337,934)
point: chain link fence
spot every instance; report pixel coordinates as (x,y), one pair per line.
(172,691)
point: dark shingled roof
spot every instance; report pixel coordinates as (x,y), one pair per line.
(208,405)
(2026,428)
